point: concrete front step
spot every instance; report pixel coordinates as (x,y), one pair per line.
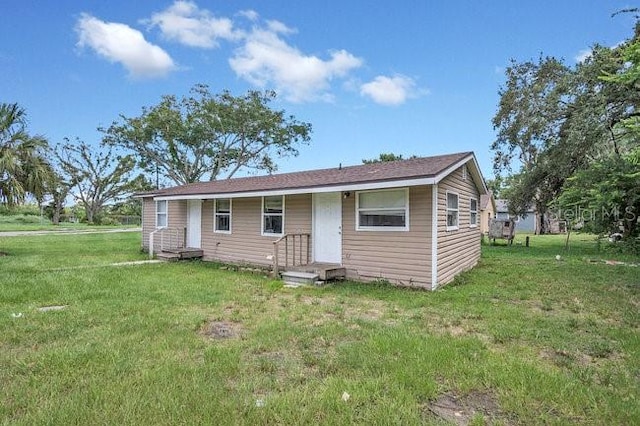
(325,271)
(295,278)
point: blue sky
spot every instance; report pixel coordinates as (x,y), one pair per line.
(409,77)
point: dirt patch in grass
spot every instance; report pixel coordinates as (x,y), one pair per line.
(463,409)
(457,328)
(321,311)
(221,330)
(566,359)
(3,254)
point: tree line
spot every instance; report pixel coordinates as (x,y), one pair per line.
(178,141)
(568,139)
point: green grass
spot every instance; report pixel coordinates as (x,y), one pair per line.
(23,222)
(541,340)
(28,222)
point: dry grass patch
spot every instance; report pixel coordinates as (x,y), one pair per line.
(474,406)
(221,330)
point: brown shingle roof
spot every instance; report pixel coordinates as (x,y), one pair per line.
(423,167)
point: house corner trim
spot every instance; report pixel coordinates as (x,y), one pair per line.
(434,237)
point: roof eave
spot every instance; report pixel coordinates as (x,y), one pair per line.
(145,194)
(363,186)
(476,173)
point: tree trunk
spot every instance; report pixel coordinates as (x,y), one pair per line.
(58,205)
(541,211)
(93,213)
(88,210)
(55,219)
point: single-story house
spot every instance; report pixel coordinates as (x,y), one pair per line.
(524,223)
(411,222)
(487,212)
(531,221)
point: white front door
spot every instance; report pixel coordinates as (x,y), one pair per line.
(194,223)
(327,227)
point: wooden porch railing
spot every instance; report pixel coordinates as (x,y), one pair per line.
(300,257)
(170,239)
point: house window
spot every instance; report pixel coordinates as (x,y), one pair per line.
(222,215)
(161,214)
(452,211)
(473,212)
(273,215)
(385,210)
(464,172)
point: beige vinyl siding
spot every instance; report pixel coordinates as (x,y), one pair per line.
(401,257)
(148,220)
(177,218)
(297,220)
(177,211)
(245,244)
(458,250)
(484,216)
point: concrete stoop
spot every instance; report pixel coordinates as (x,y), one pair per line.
(297,279)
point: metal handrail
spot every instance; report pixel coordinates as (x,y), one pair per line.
(303,255)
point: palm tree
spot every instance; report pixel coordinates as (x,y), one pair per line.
(23,166)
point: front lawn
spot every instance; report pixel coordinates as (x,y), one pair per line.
(522,339)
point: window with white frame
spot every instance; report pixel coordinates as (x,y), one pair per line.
(222,215)
(452,211)
(473,212)
(161,214)
(273,215)
(386,210)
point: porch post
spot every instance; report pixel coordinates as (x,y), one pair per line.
(275,259)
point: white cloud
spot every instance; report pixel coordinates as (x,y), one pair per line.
(278,27)
(265,59)
(121,43)
(262,56)
(184,22)
(250,14)
(583,55)
(389,90)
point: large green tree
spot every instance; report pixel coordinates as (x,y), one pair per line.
(605,197)
(530,113)
(23,165)
(97,175)
(606,194)
(205,136)
(555,121)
